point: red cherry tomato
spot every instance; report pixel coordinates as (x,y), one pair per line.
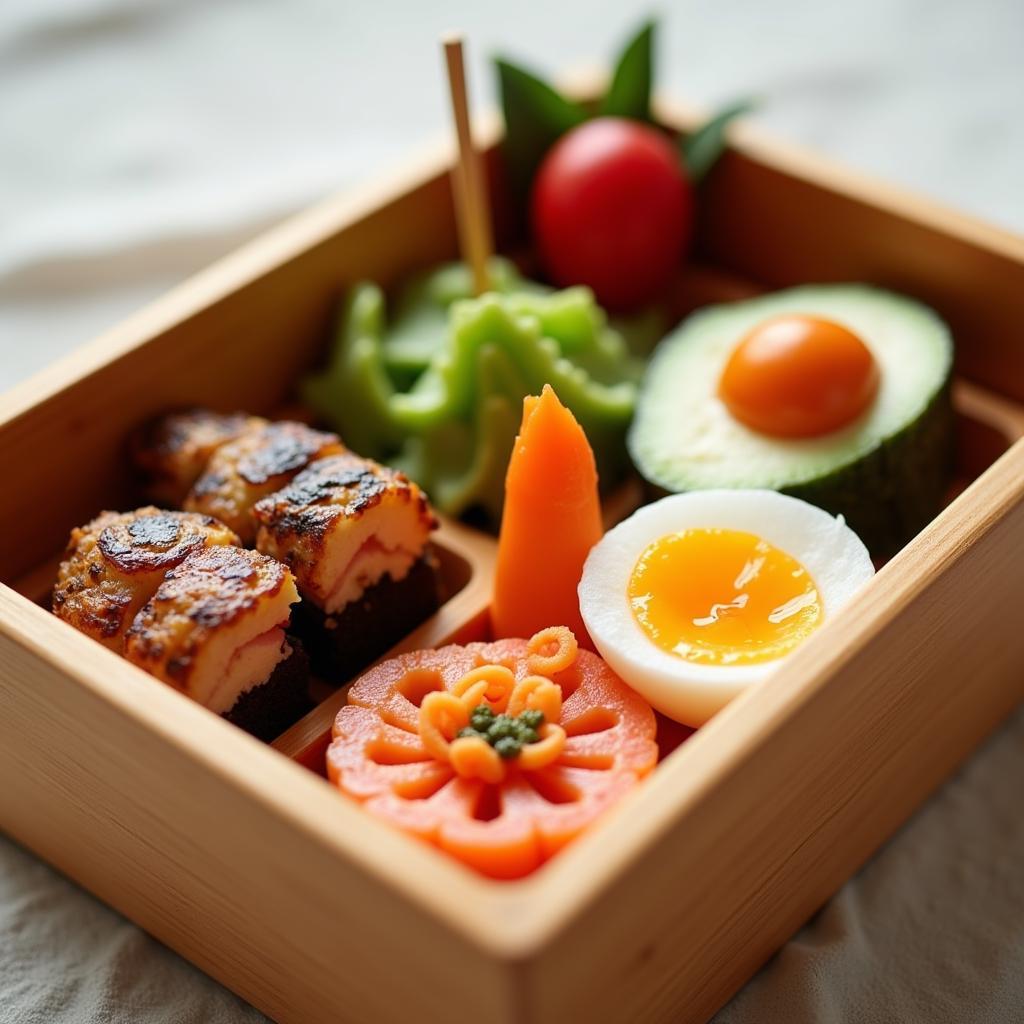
(612,208)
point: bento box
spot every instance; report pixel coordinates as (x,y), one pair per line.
(241,857)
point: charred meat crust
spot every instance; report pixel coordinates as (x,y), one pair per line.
(252,466)
(210,590)
(338,486)
(102,615)
(263,455)
(287,447)
(171,451)
(112,562)
(153,539)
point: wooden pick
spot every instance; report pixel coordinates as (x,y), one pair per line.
(468,185)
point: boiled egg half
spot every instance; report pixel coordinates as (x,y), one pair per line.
(699,595)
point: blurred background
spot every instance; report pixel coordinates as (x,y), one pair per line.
(141,139)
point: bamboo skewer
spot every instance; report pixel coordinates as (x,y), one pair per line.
(468,185)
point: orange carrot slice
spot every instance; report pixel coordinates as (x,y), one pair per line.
(552,519)
(504,830)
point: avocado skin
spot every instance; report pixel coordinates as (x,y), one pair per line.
(886,495)
(889,495)
(893,492)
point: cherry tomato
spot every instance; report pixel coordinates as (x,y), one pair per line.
(612,208)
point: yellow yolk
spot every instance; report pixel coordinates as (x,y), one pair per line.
(799,376)
(722,597)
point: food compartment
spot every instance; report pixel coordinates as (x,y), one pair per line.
(986,426)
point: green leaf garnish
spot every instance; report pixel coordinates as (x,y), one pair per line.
(703,147)
(630,91)
(536,116)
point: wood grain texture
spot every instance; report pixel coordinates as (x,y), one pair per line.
(263,875)
(746,830)
(247,864)
(236,335)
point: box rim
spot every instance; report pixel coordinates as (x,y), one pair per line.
(562,889)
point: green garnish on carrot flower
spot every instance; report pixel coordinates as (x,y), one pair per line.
(508,734)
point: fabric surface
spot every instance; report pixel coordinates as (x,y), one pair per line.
(140,139)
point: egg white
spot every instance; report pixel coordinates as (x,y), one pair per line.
(691,693)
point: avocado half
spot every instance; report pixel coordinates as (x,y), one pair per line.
(886,473)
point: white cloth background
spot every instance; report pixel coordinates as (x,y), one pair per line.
(139,139)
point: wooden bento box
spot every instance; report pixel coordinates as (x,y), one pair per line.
(249,864)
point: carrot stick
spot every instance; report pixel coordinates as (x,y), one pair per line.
(551,521)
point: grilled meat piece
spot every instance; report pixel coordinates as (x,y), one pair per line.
(114,565)
(342,525)
(356,535)
(252,466)
(172,451)
(215,628)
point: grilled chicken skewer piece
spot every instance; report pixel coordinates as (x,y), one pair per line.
(342,524)
(215,630)
(176,594)
(258,462)
(114,565)
(356,534)
(172,452)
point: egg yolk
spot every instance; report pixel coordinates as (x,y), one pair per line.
(799,376)
(722,597)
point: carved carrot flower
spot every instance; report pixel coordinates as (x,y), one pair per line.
(498,753)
